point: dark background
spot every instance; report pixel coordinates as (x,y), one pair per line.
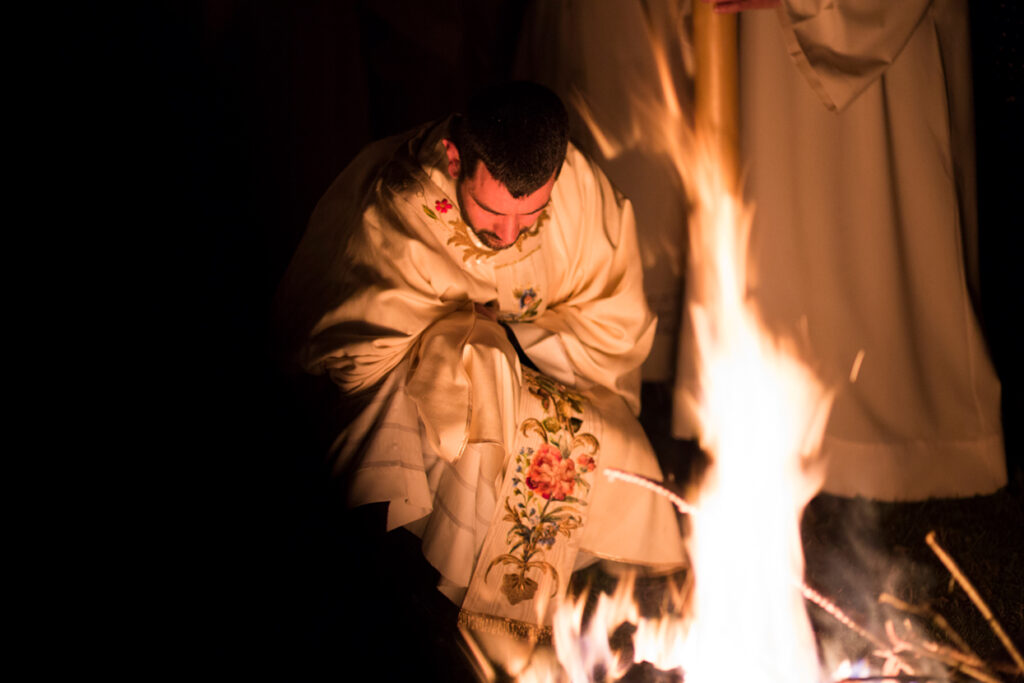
(248,110)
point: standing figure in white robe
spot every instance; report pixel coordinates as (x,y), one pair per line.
(857,134)
(477,281)
(856,131)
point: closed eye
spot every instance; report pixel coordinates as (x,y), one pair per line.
(498,213)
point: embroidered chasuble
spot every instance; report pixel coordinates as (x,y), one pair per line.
(496,466)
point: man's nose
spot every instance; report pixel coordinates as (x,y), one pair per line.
(507,229)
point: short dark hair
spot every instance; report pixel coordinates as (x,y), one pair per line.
(519,130)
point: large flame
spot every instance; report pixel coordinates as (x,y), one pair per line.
(761,412)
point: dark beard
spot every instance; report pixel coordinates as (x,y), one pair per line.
(485,237)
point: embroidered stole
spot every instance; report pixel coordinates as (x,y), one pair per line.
(531,545)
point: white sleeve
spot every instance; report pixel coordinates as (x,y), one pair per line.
(546,350)
(842,46)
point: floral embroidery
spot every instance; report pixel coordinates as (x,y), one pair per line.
(548,488)
(442,205)
(526,297)
(551,475)
(529,303)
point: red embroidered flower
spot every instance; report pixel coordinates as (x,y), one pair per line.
(550,475)
(585,462)
(442,205)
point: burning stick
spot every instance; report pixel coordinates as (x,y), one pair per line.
(840,616)
(651,485)
(935,618)
(957,658)
(958,661)
(808,592)
(975,598)
(969,665)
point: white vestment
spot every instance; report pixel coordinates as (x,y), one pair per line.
(858,134)
(857,144)
(395,274)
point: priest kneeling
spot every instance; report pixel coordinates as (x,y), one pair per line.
(477,283)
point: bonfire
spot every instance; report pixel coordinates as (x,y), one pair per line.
(741,610)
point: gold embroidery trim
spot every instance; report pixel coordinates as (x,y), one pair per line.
(505,626)
(461,239)
(520,259)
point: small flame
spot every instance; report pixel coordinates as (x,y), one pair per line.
(855,370)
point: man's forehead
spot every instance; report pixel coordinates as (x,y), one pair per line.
(491,194)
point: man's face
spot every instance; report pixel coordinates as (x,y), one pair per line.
(491,211)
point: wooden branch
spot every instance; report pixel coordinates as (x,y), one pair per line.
(975,598)
(833,610)
(925,612)
(955,660)
(651,485)
(972,666)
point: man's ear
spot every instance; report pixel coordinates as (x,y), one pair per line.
(454,163)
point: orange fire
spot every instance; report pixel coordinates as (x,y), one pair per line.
(762,412)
